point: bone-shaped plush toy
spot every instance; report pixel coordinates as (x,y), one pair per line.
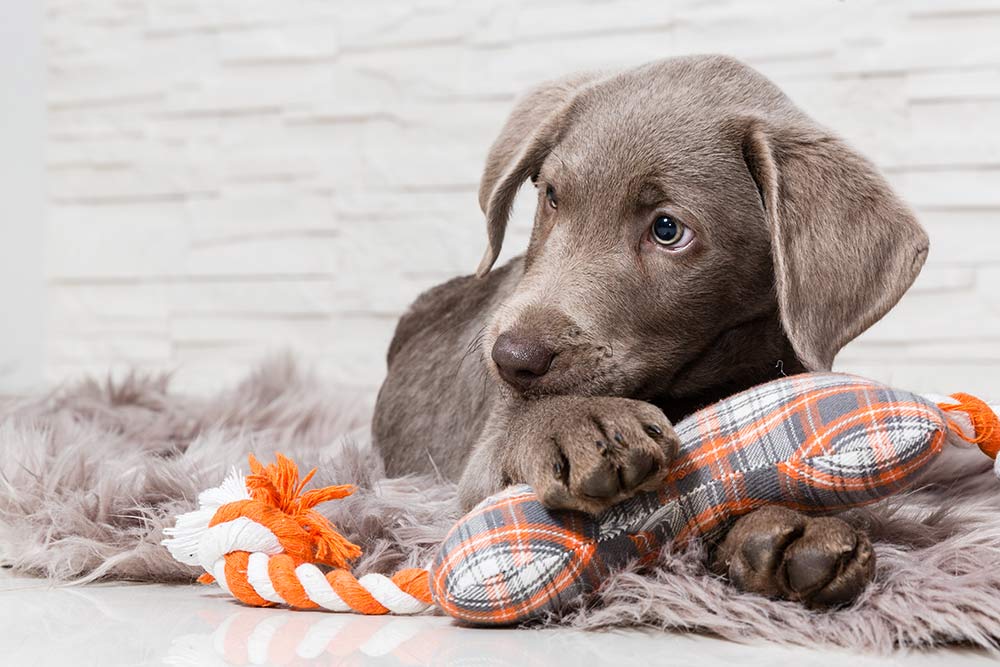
(814,442)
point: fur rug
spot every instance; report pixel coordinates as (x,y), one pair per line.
(91,474)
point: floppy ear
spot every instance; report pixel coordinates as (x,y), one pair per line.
(517,154)
(845,248)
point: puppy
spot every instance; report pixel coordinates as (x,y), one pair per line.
(695,234)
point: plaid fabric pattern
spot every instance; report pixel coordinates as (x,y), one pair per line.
(814,442)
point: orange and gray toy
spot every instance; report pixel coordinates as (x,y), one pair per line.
(815,442)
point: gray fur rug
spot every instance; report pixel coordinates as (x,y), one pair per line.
(91,474)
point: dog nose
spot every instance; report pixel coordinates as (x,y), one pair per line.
(521,360)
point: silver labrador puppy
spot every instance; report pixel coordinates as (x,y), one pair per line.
(695,234)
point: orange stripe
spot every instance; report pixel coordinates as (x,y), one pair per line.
(815,478)
(506,535)
(416,582)
(819,444)
(716,515)
(688,462)
(507,613)
(353,593)
(281,570)
(236,579)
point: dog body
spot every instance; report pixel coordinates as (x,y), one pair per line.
(695,234)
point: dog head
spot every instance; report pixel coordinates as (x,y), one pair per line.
(693,228)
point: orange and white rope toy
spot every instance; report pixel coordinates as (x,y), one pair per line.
(261,540)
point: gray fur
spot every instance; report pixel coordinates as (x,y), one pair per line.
(91,474)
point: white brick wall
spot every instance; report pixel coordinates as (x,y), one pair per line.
(232,177)
(22,132)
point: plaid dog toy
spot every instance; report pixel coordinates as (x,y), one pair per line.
(811,442)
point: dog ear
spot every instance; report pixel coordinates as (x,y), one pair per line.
(531,130)
(844,247)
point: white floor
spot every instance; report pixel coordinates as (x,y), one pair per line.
(115,624)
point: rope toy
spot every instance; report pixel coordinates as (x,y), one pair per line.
(260,539)
(815,442)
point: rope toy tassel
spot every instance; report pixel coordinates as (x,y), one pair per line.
(263,542)
(985,422)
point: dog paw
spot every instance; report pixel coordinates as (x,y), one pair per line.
(781,553)
(588,453)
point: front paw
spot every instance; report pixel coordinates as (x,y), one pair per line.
(778,552)
(587,453)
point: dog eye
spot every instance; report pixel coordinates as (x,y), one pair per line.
(550,194)
(670,232)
